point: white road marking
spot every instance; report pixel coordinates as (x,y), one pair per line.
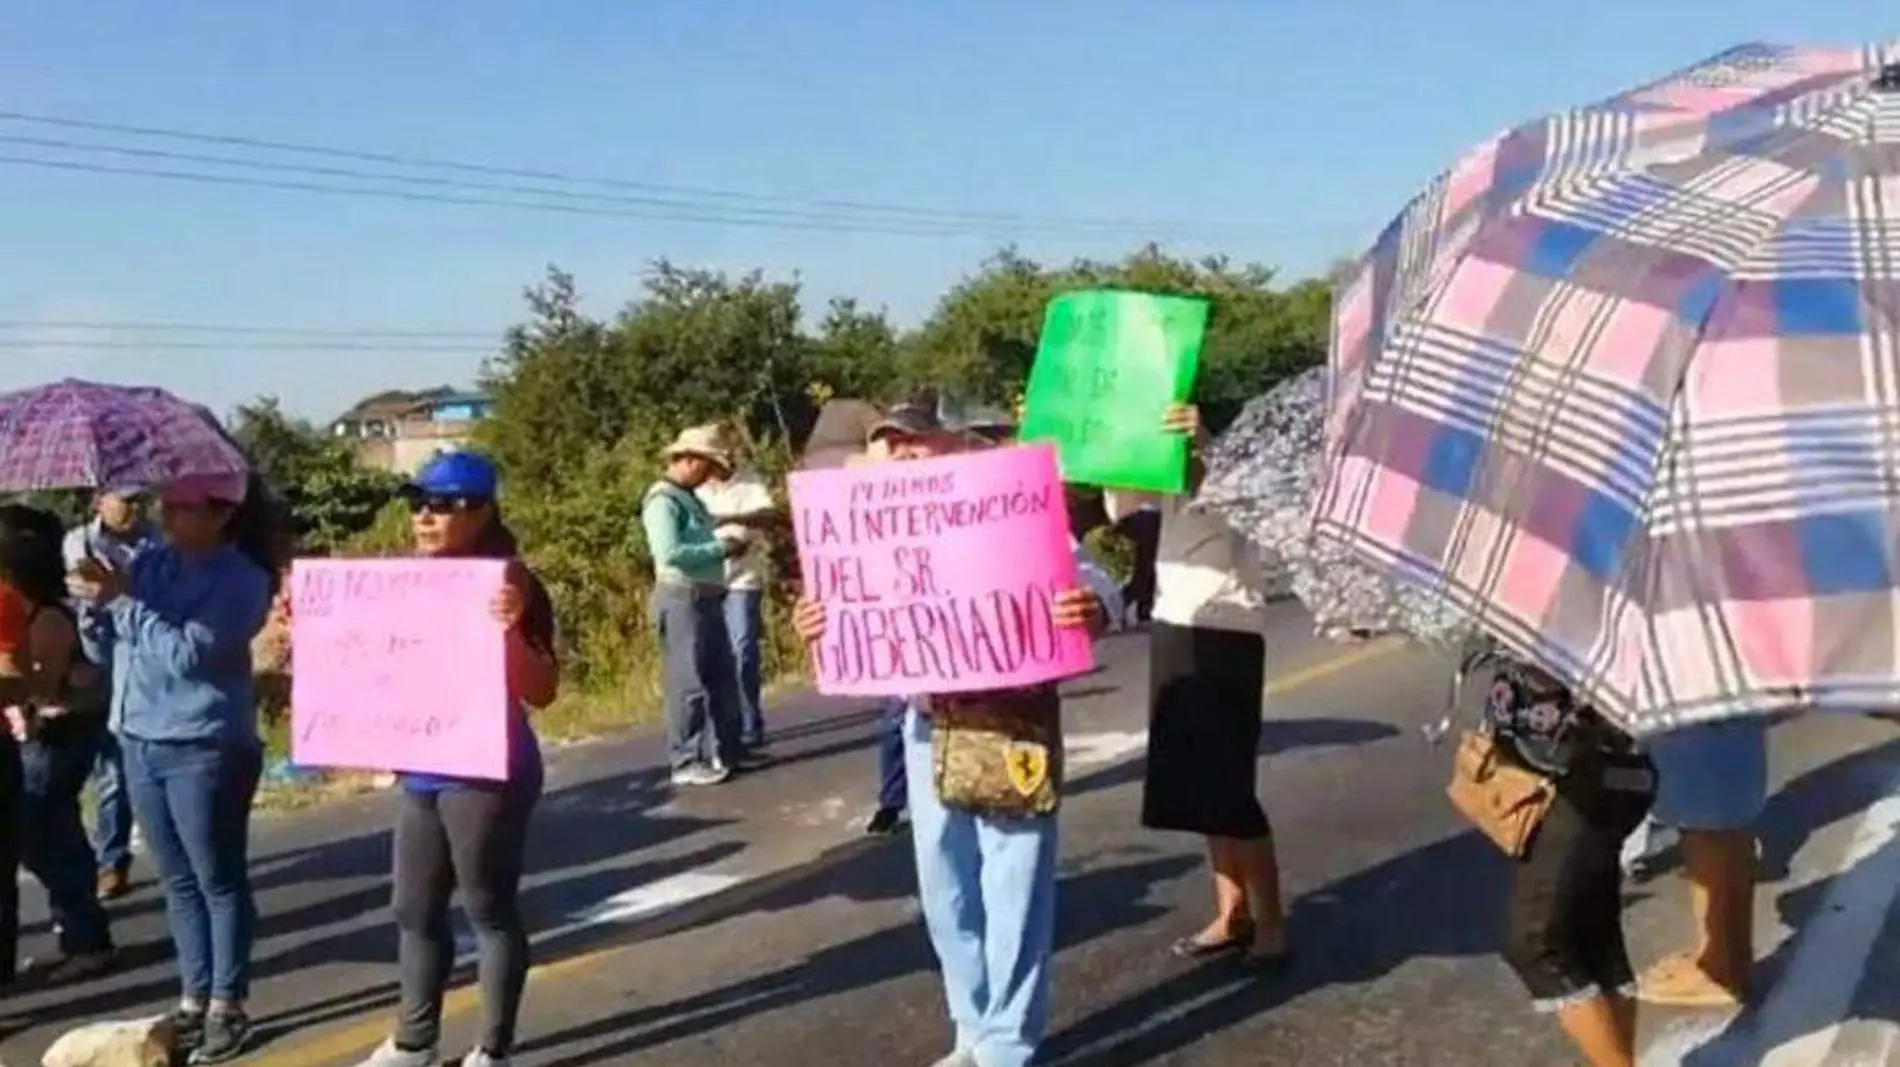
(1828,964)
(1889,1044)
(1109,746)
(1084,750)
(636,903)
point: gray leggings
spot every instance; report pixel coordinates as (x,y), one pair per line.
(472,839)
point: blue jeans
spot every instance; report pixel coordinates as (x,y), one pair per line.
(1711,778)
(194,801)
(112,823)
(745,622)
(988,888)
(893,787)
(702,721)
(53,842)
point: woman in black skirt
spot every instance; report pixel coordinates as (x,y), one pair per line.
(1207,682)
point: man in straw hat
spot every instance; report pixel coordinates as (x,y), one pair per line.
(689,592)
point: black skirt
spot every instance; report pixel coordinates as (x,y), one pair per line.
(1205,693)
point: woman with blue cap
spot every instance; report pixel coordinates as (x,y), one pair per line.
(454,833)
(176,629)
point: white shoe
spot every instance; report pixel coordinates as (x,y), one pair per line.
(700,775)
(478,1058)
(388,1055)
(959,1058)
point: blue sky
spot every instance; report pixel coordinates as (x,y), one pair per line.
(1310,123)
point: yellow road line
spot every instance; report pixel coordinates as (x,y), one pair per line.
(1332,665)
(359,1037)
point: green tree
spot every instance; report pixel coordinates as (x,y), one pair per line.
(329,494)
(694,346)
(857,354)
(556,389)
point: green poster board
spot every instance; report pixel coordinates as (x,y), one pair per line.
(1109,365)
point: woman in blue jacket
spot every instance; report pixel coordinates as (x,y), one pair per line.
(176,628)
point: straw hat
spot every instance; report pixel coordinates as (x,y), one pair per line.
(707,442)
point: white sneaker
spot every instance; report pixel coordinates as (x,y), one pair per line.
(700,775)
(388,1055)
(479,1058)
(959,1058)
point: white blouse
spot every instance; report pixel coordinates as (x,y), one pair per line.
(1206,574)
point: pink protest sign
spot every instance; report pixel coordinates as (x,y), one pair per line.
(939,575)
(398,666)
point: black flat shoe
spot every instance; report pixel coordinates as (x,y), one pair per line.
(1193,948)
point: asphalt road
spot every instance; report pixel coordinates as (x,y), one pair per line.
(751,924)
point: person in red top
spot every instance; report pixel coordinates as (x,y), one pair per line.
(14,613)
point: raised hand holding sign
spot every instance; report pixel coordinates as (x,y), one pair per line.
(938,576)
(1108,366)
(401,666)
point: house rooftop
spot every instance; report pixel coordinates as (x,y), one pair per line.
(396,403)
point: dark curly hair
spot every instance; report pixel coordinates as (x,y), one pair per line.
(30,555)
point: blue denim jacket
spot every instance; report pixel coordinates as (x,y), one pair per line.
(179,642)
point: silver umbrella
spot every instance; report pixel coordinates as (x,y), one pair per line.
(1261,476)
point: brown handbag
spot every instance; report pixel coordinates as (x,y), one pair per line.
(1507,802)
(999,753)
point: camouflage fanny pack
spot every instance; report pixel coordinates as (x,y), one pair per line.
(999,753)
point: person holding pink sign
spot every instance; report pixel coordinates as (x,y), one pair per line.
(986,875)
(460,833)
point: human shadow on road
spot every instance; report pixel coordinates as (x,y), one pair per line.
(1442,900)
(1116,898)
(577,829)
(1820,797)
(1277,737)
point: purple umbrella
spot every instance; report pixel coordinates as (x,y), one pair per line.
(75,434)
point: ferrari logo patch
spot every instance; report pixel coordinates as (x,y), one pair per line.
(1028,765)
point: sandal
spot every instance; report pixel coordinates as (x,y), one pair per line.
(1193,948)
(1679,982)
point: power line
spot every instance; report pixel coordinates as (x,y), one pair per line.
(234,346)
(235,328)
(436,163)
(230,180)
(647,206)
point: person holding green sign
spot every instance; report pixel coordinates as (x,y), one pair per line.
(1207,681)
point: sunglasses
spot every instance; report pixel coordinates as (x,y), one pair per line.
(444,505)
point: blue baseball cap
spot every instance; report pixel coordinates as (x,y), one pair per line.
(463,474)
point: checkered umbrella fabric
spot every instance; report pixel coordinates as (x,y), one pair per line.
(73,434)
(1624,385)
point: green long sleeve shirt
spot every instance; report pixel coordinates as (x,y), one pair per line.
(680,537)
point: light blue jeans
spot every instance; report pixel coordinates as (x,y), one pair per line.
(745,624)
(988,889)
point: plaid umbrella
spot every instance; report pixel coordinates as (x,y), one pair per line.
(1624,385)
(75,434)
